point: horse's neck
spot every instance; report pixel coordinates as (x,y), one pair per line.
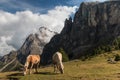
(61,64)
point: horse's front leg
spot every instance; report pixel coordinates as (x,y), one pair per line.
(55,68)
(30,70)
(25,70)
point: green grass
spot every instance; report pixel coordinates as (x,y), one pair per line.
(96,68)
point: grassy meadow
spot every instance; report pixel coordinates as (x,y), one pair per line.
(96,68)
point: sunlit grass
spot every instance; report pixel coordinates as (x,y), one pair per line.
(96,68)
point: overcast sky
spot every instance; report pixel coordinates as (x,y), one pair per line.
(19,18)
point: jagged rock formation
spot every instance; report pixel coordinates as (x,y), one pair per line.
(34,44)
(93,24)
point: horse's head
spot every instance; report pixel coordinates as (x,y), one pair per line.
(25,69)
(61,68)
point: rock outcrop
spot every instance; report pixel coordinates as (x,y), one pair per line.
(93,24)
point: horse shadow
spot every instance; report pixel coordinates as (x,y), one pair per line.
(46,73)
(11,76)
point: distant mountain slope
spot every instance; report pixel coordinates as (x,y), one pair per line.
(34,44)
(10,62)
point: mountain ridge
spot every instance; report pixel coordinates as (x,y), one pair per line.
(95,25)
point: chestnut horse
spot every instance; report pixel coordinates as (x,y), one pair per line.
(32,61)
(57,61)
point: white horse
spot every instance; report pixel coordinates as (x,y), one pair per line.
(31,61)
(57,61)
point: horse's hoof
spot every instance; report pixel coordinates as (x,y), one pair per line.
(24,74)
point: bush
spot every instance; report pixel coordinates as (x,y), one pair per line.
(64,55)
(117,57)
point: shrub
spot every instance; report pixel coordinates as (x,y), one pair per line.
(117,57)
(64,55)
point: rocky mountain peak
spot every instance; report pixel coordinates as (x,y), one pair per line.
(35,43)
(67,26)
(45,34)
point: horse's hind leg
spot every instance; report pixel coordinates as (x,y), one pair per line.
(36,68)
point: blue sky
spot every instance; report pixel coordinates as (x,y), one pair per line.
(41,6)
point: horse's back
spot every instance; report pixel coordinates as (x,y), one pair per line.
(33,58)
(57,57)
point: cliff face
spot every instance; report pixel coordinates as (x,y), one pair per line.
(93,24)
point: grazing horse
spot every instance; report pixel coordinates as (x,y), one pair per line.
(31,61)
(57,61)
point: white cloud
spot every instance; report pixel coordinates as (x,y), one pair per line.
(4,47)
(16,27)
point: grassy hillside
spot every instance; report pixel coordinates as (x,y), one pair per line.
(96,68)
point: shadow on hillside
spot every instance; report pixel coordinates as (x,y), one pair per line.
(16,74)
(11,76)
